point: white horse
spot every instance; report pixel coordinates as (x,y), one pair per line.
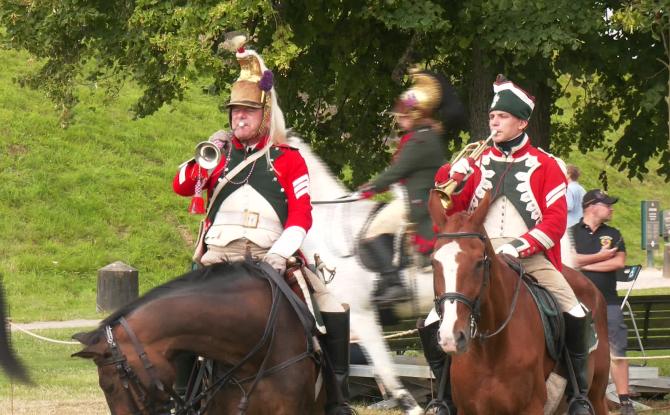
(332,236)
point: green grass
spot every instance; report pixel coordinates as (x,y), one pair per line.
(100,191)
(56,375)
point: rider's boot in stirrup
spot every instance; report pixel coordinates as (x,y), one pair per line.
(439,363)
(336,346)
(577,336)
(184,368)
(389,287)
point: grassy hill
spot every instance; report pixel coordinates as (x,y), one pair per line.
(75,200)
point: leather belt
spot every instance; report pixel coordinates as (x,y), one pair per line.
(247,219)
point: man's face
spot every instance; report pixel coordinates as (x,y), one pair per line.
(246,122)
(602,211)
(404,122)
(507,125)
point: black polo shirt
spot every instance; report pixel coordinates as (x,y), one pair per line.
(587,242)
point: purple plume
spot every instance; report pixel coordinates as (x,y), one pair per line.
(410,100)
(267,80)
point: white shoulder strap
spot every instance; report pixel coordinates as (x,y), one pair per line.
(234,172)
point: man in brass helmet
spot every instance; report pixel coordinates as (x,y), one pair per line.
(526,220)
(259,203)
(423,112)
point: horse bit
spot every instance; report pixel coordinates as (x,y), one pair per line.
(475,304)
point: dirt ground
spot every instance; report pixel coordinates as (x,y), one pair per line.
(35,407)
(98,407)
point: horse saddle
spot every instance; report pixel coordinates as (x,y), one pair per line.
(299,278)
(550,312)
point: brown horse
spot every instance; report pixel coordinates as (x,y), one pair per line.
(8,361)
(500,364)
(234,314)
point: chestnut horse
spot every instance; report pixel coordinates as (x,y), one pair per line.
(501,362)
(8,361)
(235,314)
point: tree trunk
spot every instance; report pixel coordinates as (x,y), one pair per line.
(480,94)
(539,127)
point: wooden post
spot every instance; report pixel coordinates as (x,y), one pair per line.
(117,286)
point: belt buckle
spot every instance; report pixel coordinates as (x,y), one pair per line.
(250,219)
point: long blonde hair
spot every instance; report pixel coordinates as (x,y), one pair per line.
(277,124)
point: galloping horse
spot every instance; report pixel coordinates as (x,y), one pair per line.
(333,236)
(501,362)
(8,361)
(232,313)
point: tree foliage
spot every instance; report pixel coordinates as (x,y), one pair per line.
(340,65)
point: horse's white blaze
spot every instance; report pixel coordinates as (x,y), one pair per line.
(446,256)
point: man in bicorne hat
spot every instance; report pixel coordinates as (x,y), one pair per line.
(263,211)
(526,220)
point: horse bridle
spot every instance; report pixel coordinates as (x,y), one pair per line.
(143,398)
(474,305)
(146,397)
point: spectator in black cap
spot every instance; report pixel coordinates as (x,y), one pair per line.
(601,252)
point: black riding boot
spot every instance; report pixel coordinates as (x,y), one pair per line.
(335,344)
(440,364)
(577,333)
(377,253)
(184,368)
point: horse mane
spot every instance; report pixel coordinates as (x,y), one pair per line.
(8,360)
(324,184)
(199,280)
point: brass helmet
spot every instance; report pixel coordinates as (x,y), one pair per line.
(422,98)
(254,85)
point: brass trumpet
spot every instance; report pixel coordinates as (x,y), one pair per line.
(207,155)
(473,151)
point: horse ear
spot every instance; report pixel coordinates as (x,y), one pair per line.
(479,214)
(87,353)
(87,338)
(92,342)
(81,337)
(436,210)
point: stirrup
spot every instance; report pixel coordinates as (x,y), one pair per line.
(437,406)
(580,402)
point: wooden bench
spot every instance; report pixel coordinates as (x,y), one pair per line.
(652,320)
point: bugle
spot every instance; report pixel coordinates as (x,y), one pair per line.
(207,155)
(471,151)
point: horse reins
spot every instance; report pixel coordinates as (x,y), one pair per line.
(130,378)
(475,304)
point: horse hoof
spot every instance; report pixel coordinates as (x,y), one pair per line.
(408,404)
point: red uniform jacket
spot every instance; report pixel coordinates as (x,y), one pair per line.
(290,171)
(547,205)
